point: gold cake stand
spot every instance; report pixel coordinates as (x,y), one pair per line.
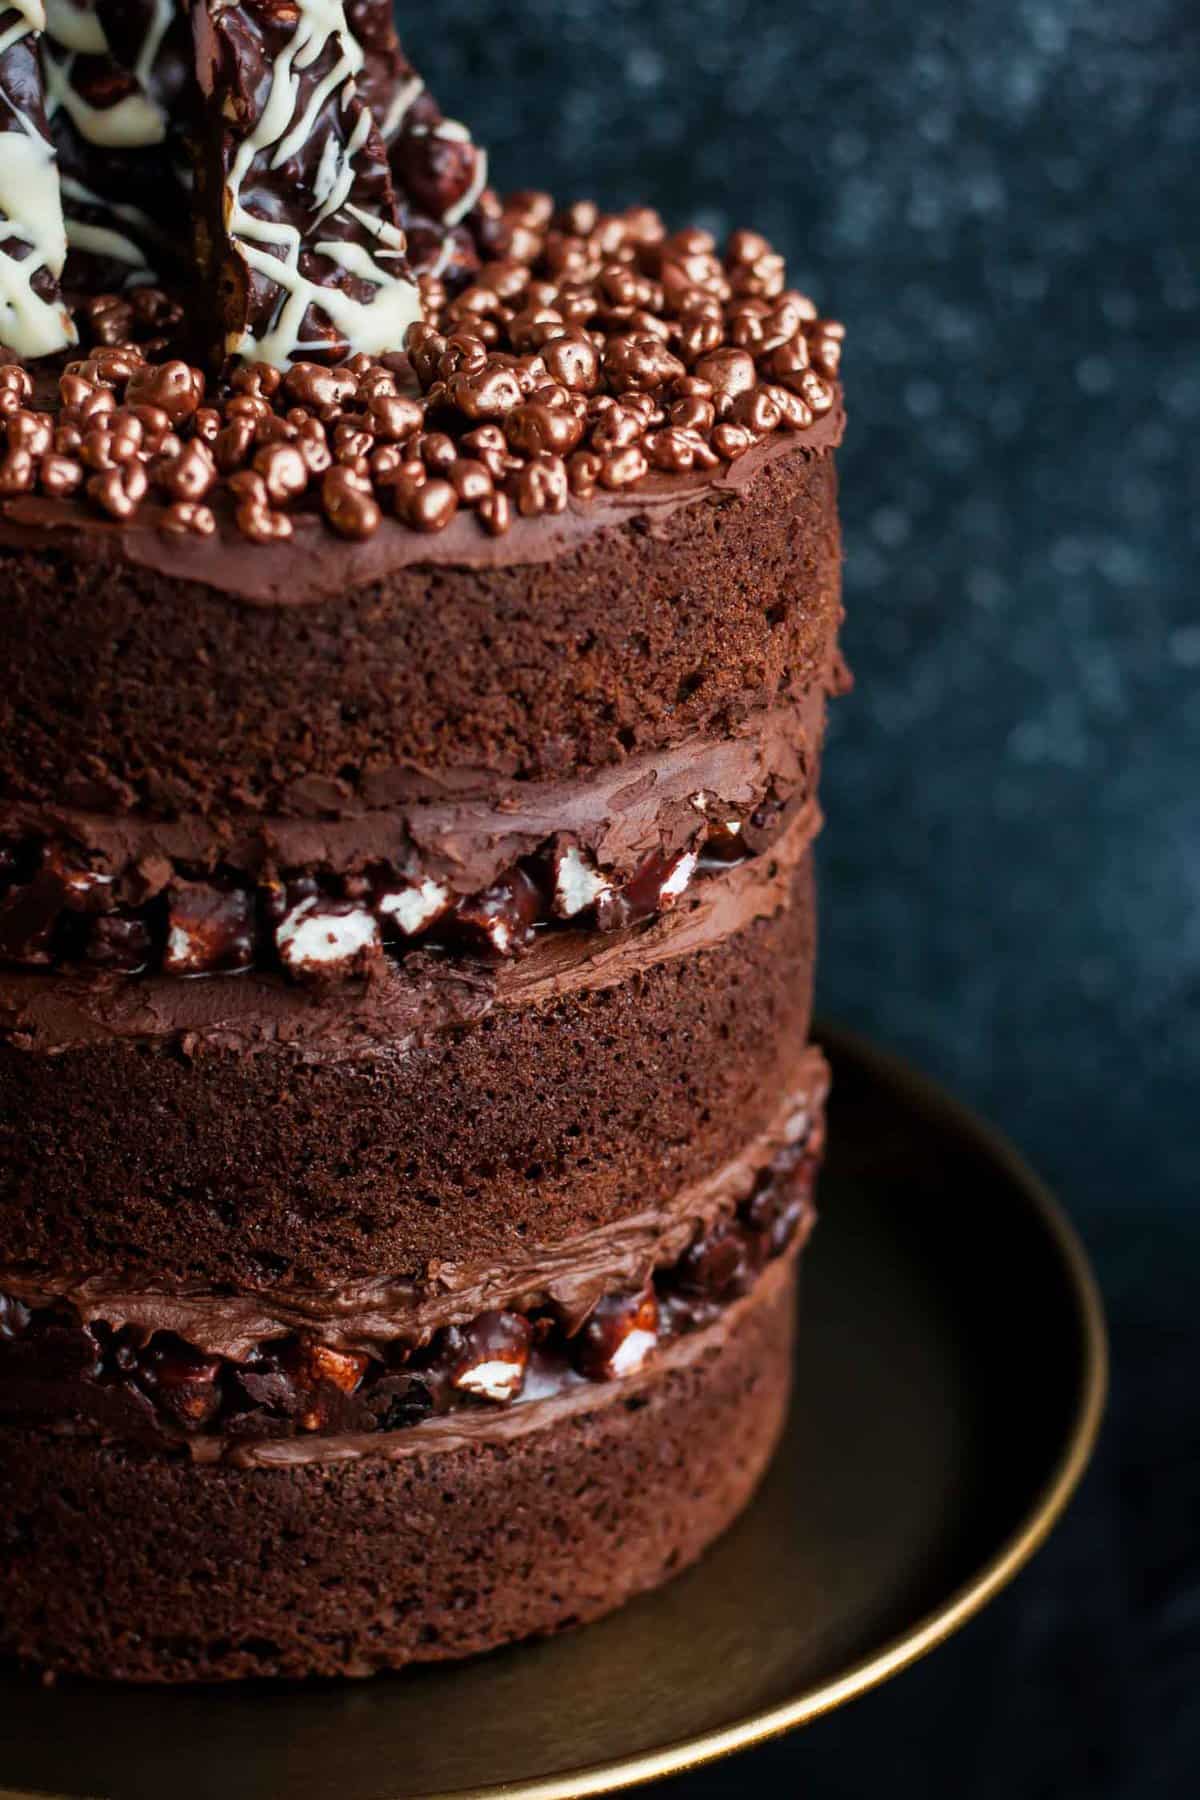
(950,1382)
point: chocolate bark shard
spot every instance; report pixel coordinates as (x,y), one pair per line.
(33,244)
(300,240)
(439,174)
(116,73)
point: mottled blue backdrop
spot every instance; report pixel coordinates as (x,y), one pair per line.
(1002,202)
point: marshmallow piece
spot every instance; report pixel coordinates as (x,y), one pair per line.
(577,884)
(633,1352)
(496,1380)
(493,1356)
(501,918)
(618,1336)
(678,879)
(323,938)
(412,909)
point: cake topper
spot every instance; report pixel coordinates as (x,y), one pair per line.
(299,237)
(284,150)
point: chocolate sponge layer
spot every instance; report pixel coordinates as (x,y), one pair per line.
(534,1123)
(118,1564)
(127,686)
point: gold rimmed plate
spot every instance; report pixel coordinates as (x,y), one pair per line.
(950,1381)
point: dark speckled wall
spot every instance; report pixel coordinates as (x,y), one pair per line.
(1003,203)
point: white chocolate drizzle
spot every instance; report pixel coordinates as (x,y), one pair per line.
(402,103)
(103,240)
(30,17)
(152,43)
(31,215)
(136,122)
(133,123)
(76,26)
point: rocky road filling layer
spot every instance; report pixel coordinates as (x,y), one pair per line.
(58,911)
(56,1370)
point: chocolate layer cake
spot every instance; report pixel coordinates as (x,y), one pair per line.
(419,610)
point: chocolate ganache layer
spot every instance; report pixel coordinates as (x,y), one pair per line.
(63,1363)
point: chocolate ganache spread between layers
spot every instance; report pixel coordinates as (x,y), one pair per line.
(419,612)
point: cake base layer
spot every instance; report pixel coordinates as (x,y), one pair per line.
(143,1568)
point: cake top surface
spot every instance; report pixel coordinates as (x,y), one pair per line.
(354,338)
(592,356)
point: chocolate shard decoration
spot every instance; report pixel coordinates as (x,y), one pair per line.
(439,174)
(116,72)
(299,237)
(387,80)
(33,244)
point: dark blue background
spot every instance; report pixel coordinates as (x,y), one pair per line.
(1002,202)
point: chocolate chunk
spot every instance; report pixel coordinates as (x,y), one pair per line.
(439,169)
(344,1369)
(720,1264)
(302,1382)
(724,845)
(723,842)
(209,928)
(618,1337)
(264,1378)
(501,918)
(30,912)
(653,888)
(122,944)
(781,1205)
(181,1380)
(324,1379)
(33,243)
(300,242)
(398,1400)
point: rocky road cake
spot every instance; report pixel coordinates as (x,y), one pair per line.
(418,612)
